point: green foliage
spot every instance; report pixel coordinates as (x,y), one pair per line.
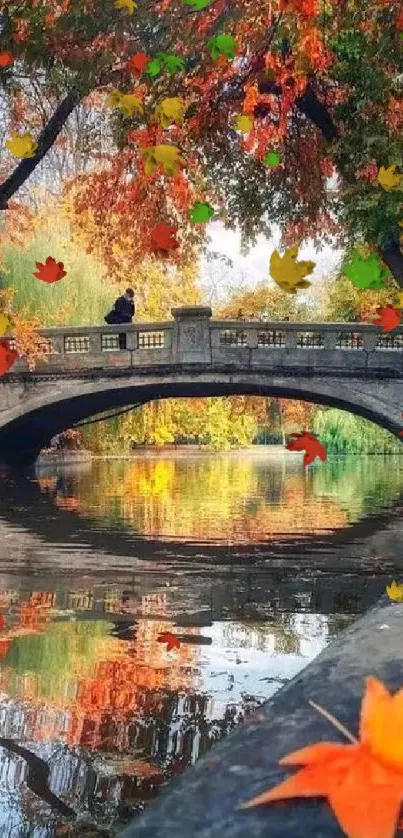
(82,298)
(343,433)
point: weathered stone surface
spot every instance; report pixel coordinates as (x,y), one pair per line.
(203,802)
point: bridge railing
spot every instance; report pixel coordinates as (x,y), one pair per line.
(193,337)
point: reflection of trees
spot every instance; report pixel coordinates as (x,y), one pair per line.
(211,498)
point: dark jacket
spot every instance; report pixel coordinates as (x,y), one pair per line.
(122,312)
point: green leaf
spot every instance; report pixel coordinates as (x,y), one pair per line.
(201,212)
(272,159)
(222,45)
(366,273)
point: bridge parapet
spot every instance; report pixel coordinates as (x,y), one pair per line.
(192,337)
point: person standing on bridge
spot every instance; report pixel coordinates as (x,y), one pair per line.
(123,310)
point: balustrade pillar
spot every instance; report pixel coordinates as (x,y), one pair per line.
(191,336)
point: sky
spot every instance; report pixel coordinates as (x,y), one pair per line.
(249,270)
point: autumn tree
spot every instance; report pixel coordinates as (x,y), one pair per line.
(317,82)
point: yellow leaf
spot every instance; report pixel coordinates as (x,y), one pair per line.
(171,110)
(130,5)
(127,102)
(166,155)
(243,123)
(389,179)
(395,591)
(289,274)
(22,146)
(5,325)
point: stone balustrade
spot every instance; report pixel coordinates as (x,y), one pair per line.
(192,337)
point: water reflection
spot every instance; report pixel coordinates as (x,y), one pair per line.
(92,570)
(231,498)
(115,718)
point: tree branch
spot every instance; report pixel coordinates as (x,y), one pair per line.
(46,139)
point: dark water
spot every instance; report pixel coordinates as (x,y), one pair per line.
(252,562)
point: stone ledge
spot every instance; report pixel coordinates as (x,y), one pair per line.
(203,802)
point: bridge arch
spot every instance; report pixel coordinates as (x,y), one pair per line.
(44,407)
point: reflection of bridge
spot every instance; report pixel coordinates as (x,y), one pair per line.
(94,369)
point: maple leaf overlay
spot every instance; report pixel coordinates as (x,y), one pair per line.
(395,591)
(8,356)
(307,442)
(389,318)
(363,782)
(172,640)
(51,271)
(163,237)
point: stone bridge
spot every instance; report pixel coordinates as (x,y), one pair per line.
(89,370)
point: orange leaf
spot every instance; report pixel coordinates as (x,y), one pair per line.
(163,237)
(7,356)
(307,442)
(363,783)
(51,272)
(389,318)
(172,640)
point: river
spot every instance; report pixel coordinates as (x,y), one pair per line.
(252,562)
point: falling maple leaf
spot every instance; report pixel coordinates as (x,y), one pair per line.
(163,237)
(366,272)
(8,356)
(138,63)
(243,122)
(272,159)
(289,274)
(222,45)
(171,639)
(389,179)
(198,5)
(51,271)
(130,5)
(389,318)
(201,212)
(22,146)
(5,324)
(307,442)
(363,781)
(127,102)
(165,61)
(6,59)
(168,156)
(395,591)
(171,110)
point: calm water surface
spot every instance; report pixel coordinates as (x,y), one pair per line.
(237,555)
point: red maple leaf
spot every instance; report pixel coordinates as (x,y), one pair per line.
(307,442)
(6,59)
(7,356)
(52,271)
(172,640)
(389,318)
(163,237)
(138,63)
